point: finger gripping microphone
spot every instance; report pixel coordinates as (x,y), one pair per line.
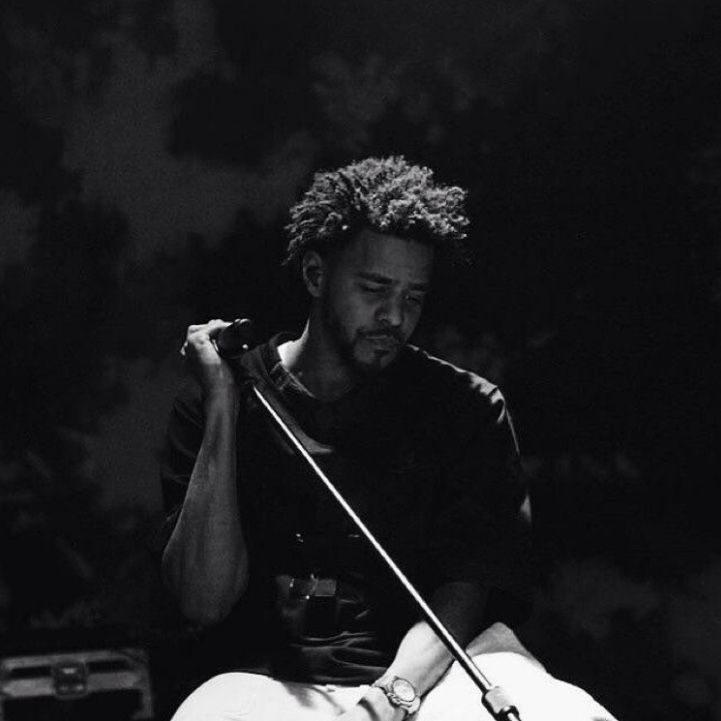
(234,339)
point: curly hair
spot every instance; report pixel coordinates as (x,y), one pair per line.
(387,195)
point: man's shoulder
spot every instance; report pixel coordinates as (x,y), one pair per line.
(444,375)
(445,384)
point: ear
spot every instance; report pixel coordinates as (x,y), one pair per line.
(314,269)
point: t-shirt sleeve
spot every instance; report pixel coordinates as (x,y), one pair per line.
(182,443)
(481,530)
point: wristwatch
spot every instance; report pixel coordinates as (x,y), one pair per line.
(400,692)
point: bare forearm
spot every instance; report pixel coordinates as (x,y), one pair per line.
(422,658)
(205,563)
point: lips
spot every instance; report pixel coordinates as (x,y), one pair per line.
(384,341)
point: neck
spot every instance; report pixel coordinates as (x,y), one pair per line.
(313,359)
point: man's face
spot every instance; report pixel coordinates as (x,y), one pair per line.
(372,297)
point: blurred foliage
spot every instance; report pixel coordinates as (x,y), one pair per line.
(68,313)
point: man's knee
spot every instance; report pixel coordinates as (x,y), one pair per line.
(499,638)
(537,695)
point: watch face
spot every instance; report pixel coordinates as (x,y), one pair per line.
(404,690)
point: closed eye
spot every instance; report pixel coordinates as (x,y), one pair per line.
(372,288)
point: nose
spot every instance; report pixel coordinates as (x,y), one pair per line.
(392,311)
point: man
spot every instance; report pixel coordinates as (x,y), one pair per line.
(423,451)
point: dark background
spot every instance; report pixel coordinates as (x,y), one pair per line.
(150,151)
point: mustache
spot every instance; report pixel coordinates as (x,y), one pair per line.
(384,333)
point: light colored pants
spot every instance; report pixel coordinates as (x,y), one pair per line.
(497,652)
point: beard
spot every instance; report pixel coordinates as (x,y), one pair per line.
(357,348)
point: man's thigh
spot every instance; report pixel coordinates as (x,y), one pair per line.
(252,697)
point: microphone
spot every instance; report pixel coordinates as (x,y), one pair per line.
(234,339)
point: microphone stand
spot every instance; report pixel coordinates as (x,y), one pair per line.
(231,344)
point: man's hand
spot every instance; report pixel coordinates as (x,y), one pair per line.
(360,713)
(210,370)
(363,713)
(374,706)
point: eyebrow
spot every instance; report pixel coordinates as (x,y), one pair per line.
(384,280)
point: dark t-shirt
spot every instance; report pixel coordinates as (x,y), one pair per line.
(425,454)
